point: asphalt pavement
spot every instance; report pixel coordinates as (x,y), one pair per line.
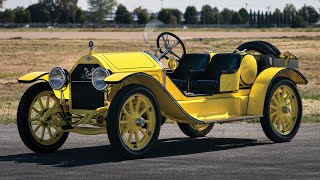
(229,151)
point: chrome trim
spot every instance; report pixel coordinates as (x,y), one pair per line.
(164,73)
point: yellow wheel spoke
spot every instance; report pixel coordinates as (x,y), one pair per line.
(36,111)
(50,132)
(147,121)
(138,105)
(123,122)
(124,132)
(278,97)
(37,128)
(143,111)
(136,136)
(131,106)
(41,104)
(142,131)
(125,112)
(283,122)
(279,123)
(274,100)
(48,102)
(130,137)
(273,114)
(274,107)
(42,132)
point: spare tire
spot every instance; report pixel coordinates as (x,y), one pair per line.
(262,47)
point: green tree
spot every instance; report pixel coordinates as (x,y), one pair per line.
(236,18)
(244,15)
(7,16)
(101,8)
(38,13)
(1,3)
(165,15)
(309,14)
(207,16)
(216,14)
(191,15)
(299,22)
(226,15)
(277,17)
(177,14)
(22,15)
(80,17)
(123,16)
(142,14)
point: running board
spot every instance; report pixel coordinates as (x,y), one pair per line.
(231,119)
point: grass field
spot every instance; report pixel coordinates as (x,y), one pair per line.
(20,56)
(165,29)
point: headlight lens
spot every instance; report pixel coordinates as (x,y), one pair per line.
(57,78)
(98,76)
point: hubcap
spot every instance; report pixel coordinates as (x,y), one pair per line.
(137,122)
(40,129)
(283,110)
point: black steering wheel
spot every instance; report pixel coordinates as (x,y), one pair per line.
(168,48)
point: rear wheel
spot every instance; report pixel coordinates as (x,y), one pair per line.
(195,130)
(282,111)
(33,120)
(134,121)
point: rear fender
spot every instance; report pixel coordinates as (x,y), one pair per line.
(263,83)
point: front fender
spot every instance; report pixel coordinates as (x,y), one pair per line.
(33,77)
(262,85)
(168,105)
(44,76)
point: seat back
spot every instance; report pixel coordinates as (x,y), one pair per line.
(190,62)
(222,63)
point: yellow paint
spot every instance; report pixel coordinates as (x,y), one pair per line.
(30,77)
(248,70)
(116,77)
(230,82)
(261,85)
(131,60)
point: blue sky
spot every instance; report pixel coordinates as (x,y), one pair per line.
(155,5)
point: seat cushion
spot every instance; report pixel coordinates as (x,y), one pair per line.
(180,83)
(190,62)
(222,63)
(204,86)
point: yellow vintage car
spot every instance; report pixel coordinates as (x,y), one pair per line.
(129,95)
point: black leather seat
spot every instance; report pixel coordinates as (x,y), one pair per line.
(208,80)
(189,62)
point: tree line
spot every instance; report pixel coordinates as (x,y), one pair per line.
(67,11)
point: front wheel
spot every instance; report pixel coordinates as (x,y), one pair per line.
(282,111)
(134,121)
(34,122)
(195,130)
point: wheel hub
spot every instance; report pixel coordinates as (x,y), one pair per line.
(286,109)
(140,122)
